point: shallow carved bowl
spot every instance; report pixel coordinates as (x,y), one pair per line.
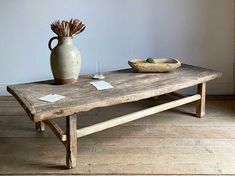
(161,65)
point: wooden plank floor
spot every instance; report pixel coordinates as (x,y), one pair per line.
(168,143)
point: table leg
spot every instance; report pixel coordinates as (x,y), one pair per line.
(40,126)
(71,147)
(200,107)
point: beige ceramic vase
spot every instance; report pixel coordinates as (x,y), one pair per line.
(65,60)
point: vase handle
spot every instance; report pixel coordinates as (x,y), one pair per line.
(50,41)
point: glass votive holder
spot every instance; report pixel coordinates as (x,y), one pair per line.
(99,70)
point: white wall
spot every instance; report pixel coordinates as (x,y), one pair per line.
(201,32)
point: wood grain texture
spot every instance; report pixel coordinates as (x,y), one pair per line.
(173,142)
(128,87)
(201,104)
(71,143)
(40,126)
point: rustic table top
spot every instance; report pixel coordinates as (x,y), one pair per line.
(82,96)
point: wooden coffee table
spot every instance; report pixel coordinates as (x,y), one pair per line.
(128,87)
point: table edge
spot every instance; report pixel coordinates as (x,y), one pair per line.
(55,113)
(30,110)
(59,112)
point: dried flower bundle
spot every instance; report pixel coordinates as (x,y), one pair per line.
(67,28)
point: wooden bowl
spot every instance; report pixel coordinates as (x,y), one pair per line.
(161,65)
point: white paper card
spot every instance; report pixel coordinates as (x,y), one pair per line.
(52,98)
(101,85)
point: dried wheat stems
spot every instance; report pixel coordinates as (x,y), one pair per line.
(67,28)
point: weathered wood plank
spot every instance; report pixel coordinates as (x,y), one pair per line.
(12,111)
(172,142)
(24,102)
(115,175)
(134,131)
(185,156)
(40,126)
(168,131)
(110,174)
(209,97)
(9,103)
(7,98)
(127,88)
(71,143)
(200,107)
